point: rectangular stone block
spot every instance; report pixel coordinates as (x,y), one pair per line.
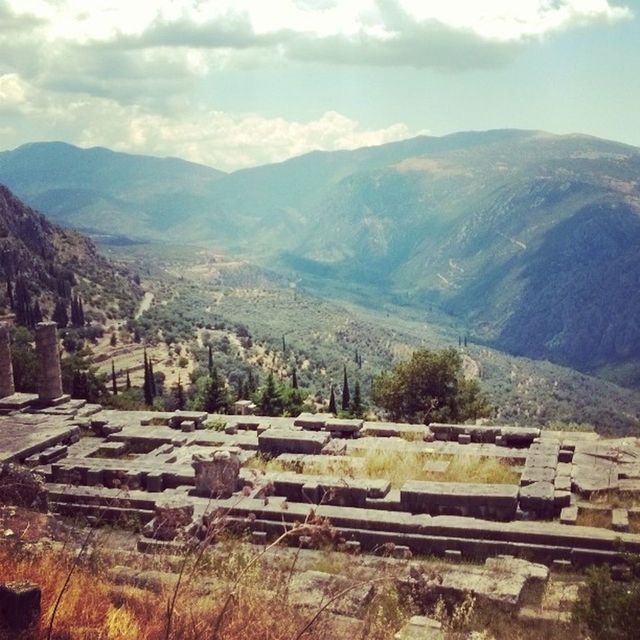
(460,498)
(276,441)
(620,520)
(464,438)
(569,515)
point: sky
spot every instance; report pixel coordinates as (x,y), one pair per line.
(238,83)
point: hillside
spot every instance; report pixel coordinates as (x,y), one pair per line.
(99,189)
(527,238)
(52,262)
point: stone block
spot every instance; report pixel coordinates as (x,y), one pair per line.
(275,442)
(453,555)
(188,426)
(19,605)
(421,628)
(569,515)
(171,517)
(259,537)
(497,501)
(343,426)
(562,483)
(565,455)
(620,520)
(531,475)
(153,482)
(538,497)
(217,475)
(561,499)
(464,438)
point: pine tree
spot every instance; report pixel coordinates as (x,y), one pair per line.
(128,383)
(346,396)
(114,384)
(356,401)
(294,379)
(332,402)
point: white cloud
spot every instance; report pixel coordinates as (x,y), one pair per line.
(222,140)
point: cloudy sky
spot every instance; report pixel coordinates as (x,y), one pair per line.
(235,83)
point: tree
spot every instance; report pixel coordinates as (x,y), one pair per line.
(147,386)
(128,383)
(294,378)
(24,361)
(212,394)
(284,345)
(113,341)
(210,359)
(346,395)
(270,401)
(356,402)
(179,394)
(332,402)
(430,387)
(60,315)
(114,384)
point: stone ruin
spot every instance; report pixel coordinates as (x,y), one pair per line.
(170,476)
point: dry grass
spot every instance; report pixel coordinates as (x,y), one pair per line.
(401,466)
(93,607)
(599,518)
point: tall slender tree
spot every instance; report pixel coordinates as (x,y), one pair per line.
(346,395)
(114,383)
(210,360)
(356,401)
(294,378)
(128,383)
(332,402)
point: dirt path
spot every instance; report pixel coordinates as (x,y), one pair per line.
(145,304)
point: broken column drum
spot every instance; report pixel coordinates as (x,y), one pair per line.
(49,375)
(217,476)
(6,369)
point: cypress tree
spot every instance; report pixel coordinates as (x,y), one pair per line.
(128,383)
(10,294)
(240,389)
(152,380)
(60,315)
(114,384)
(210,360)
(346,396)
(284,345)
(294,379)
(356,402)
(148,395)
(332,402)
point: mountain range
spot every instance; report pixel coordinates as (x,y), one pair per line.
(531,241)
